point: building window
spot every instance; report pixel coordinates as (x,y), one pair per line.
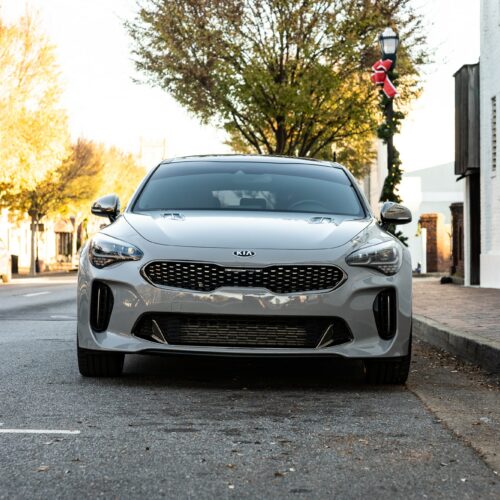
(494,133)
(64,245)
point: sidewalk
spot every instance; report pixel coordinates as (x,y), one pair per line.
(47,276)
(462,320)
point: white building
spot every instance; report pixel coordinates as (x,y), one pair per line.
(429,191)
(489,170)
(477,92)
(54,241)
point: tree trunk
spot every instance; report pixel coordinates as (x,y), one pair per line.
(280,136)
(34,227)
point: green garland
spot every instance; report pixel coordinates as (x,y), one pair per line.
(385,131)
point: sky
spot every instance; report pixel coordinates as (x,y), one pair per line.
(428,134)
(104,103)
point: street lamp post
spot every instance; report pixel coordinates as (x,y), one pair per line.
(383,76)
(389,43)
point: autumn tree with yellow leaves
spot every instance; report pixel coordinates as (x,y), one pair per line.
(91,170)
(88,171)
(33,125)
(41,172)
(34,136)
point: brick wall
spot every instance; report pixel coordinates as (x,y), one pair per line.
(438,243)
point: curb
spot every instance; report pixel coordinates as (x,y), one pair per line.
(45,274)
(482,352)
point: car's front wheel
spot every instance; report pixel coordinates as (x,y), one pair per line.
(388,370)
(99,363)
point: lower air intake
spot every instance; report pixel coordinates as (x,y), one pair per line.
(243,331)
(101,305)
(385,311)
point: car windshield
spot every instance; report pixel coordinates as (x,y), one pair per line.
(250,186)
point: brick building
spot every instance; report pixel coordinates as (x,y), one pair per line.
(437,243)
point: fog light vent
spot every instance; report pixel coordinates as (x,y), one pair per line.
(385,312)
(101,305)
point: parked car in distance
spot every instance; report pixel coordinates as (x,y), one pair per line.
(246,256)
(5,268)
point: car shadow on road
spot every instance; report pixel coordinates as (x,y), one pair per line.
(243,373)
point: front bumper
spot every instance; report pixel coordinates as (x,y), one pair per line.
(352,301)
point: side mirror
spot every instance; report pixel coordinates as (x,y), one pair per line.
(107,206)
(393,213)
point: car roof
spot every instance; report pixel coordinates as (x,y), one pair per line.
(252,158)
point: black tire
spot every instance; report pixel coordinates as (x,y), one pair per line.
(100,363)
(392,371)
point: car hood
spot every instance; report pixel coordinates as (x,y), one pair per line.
(246,231)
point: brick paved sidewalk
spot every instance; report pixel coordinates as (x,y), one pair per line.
(472,310)
(472,315)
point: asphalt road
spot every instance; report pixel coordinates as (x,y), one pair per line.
(201,428)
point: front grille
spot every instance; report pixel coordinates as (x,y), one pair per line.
(242,331)
(205,277)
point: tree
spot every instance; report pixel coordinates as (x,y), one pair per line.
(65,190)
(123,174)
(77,182)
(33,126)
(282,76)
(90,170)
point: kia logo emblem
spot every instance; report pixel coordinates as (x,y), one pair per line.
(243,253)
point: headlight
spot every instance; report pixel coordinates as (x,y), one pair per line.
(104,251)
(385,257)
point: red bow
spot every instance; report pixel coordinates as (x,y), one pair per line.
(379,77)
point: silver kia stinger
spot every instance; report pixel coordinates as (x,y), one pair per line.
(246,256)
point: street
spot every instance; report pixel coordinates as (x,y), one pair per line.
(213,428)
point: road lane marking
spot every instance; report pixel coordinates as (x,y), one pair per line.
(34,294)
(37,431)
(61,316)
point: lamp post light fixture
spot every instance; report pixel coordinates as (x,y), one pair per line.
(389,43)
